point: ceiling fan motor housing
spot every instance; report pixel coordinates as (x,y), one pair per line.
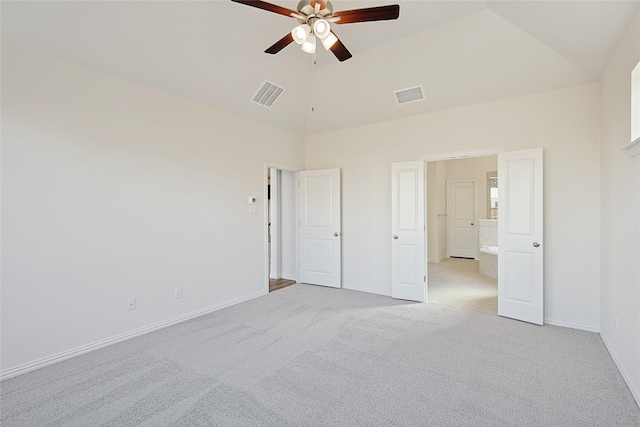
(305,8)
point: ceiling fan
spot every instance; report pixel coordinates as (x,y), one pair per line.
(316,17)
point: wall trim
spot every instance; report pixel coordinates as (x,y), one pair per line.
(573,325)
(369,291)
(623,372)
(68,354)
(633,149)
(462,154)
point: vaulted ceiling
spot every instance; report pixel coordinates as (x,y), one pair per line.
(461,52)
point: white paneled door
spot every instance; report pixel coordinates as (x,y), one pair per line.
(320,228)
(408,262)
(461,214)
(520,235)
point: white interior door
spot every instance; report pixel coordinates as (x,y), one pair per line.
(408,261)
(461,214)
(320,228)
(520,233)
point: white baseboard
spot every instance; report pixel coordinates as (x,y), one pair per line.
(625,375)
(369,291)
(436,259)
(59,357)
(573,325)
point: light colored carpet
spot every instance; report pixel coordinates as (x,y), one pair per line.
(309,355)
(456,282)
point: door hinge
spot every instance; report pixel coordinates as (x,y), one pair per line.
(425,279)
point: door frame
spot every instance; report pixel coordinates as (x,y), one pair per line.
(275,217)
(426,158)
(265,197)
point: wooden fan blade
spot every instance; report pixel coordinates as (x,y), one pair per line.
(280,44)
(266,6)
(340,50)
(381,13)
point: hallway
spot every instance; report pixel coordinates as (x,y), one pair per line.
(456,282)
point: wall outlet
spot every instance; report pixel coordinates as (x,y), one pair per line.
(131,303)
(178,292)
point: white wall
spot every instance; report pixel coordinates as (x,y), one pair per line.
(620,279)
(471,169)
(474,169)
(112,190)
(436,210)
(431,172)
(438,173)
(564,122)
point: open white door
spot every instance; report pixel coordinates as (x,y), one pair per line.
(408,263)
(320,228)
(520,233)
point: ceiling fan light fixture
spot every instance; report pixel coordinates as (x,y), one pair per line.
(309,44)
(321,28)
(301,33)
(329,41)
(315,18)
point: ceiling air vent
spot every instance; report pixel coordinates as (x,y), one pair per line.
(267,94)
(411,94)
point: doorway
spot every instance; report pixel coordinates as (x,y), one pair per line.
(456,229)
(520,230)
(280,225)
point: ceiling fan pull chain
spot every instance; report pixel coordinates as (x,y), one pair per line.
(313,70)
